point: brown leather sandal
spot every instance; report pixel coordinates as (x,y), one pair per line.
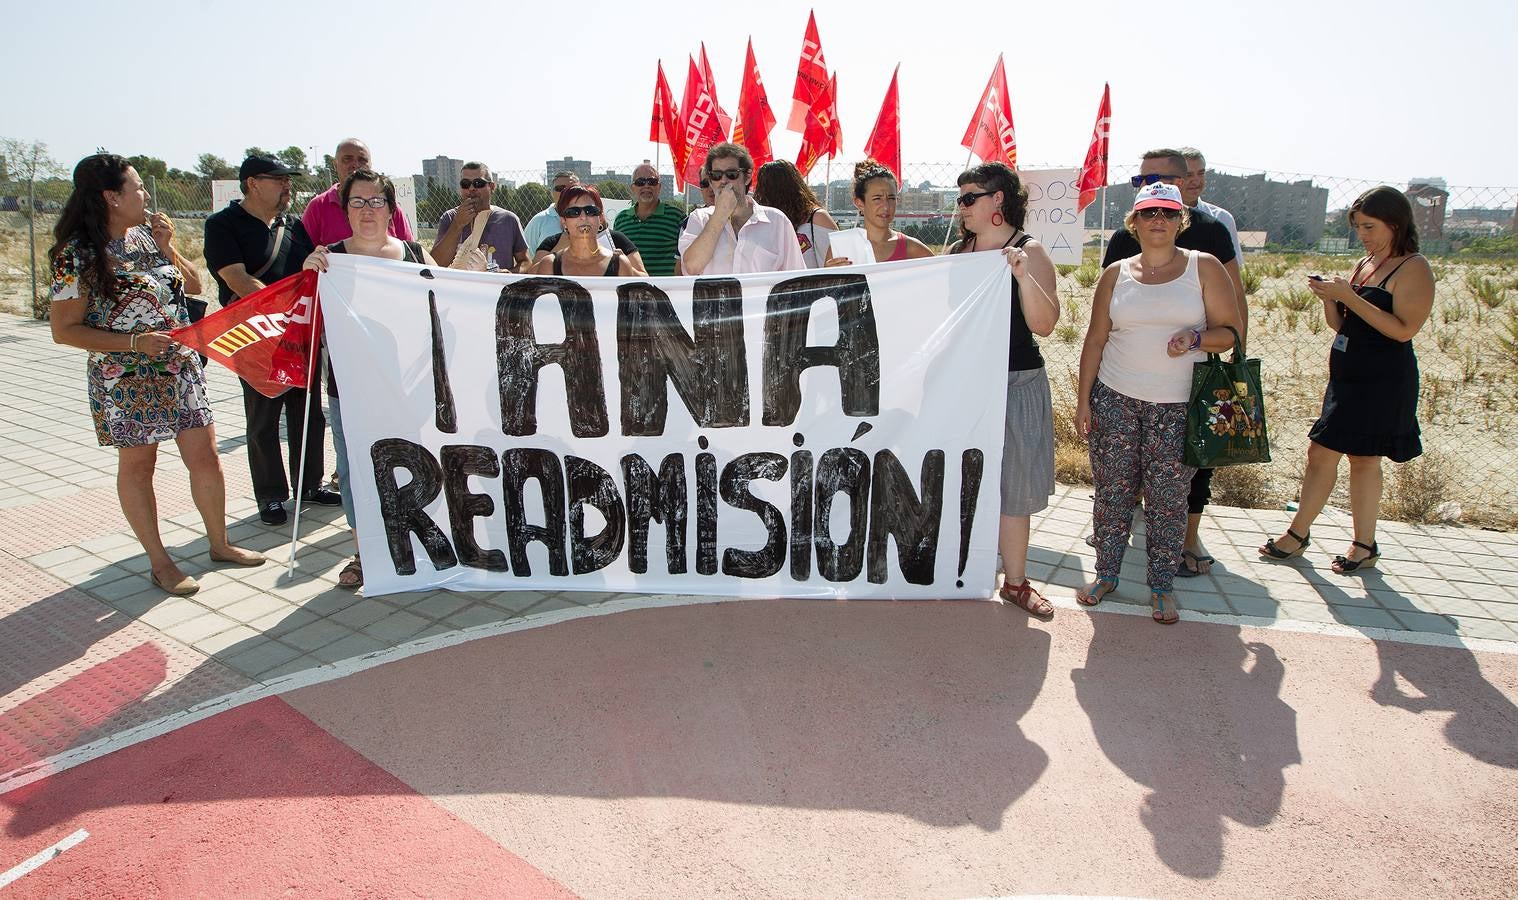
(1027,596)
(351,578)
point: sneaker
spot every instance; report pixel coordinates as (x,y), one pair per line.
(272,513)
(322,497)
(332,483)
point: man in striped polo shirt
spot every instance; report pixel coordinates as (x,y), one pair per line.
(652,225)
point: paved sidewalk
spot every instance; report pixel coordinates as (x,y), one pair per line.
(90,650)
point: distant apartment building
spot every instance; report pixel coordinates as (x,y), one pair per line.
(443,170)
(581,168)
(1430,199)
(619,177)
(1290,213)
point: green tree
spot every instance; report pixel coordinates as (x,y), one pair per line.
(502,196)
(148,166)
(529,200)
(614,190)
(258,151)
(214,168)
(439,200)
(294,157)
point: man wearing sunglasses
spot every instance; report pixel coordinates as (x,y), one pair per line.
(1207,234)
(652,225)
(545,224)
(502,231)
(325,219)
(735,234)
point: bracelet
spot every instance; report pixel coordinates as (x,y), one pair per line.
(132,347)
(1196,339)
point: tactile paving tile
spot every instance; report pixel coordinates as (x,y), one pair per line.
(73,670)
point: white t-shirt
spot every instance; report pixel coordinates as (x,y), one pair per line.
(765,243)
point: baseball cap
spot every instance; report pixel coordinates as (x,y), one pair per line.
(1164,196)
(262,165)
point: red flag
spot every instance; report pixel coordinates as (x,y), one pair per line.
(755,119)
(990,135)
(835,127)
(820,130)
(884,144)
(811,77)
(699,124)
(667,127)
(265,337)
(1093,175)
(723,119)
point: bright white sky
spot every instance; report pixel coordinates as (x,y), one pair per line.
(1375,90)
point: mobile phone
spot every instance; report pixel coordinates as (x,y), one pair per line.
(1316,277)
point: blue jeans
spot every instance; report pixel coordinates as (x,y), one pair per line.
(340,445)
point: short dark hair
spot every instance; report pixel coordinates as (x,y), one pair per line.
(385,185)
(1190,153)
(995,176)
(482,167)
(728,150)
(1391,206)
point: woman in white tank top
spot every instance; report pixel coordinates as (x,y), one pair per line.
(1153,316)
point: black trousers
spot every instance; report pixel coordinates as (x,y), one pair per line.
(1201,492)
(265,461)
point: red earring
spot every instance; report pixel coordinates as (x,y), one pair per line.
(996,219)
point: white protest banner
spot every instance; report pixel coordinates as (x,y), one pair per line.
(405,198)
(819,433)
(1052,219)
(224,191)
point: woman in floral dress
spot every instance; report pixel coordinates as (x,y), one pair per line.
(117,293)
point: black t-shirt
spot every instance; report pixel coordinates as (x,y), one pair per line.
(618,239)
(1205,233)
(235,235)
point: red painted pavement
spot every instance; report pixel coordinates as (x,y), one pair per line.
(255,802)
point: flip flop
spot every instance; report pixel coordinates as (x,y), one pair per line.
(1185,571)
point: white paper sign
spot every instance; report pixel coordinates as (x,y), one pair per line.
(1052,219)
(224,192)
(803,434)
(405,198)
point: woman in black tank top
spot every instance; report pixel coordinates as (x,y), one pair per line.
(369,200)
(580,213)
(1370,408)
(994,204)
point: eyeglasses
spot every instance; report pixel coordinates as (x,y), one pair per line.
(968,200)
(729,174)
(645,182)
(574,212)
(371,202)
(283,179)
(1139,181)
(473,182)
(705,183)
(1154,212)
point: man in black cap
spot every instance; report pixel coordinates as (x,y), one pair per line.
(250,244)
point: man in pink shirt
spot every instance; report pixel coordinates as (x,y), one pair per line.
(325,219)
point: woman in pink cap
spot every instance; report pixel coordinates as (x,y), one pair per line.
(1153,316)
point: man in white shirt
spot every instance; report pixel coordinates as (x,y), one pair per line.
(735,234)
(1191,195)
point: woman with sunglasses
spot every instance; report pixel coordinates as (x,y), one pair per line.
(1153,316)
(369,199)
(993,204)
(580,217)
(779,184)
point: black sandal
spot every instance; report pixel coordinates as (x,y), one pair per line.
(1271,551)
(1345,566)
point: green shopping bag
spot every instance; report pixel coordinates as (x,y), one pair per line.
(1225,418)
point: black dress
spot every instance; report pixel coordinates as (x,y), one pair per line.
(1371,405)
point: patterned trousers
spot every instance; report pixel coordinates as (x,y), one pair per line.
(1136,445)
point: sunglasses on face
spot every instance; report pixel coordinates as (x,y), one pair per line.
(645,182)
(371,202)
(1139,181)
(574,212)
(473,182)
(968,200)
(705,183)
(729,174)
(1155,212)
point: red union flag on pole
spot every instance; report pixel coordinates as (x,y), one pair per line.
(811,76)
(819,131)
(884,144)
(755,119)
(835,127)
(265,337)
(1093,175)
(990,135)
(667,128)
(700,126)
(723,119)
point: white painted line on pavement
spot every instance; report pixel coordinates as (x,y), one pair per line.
(44,857)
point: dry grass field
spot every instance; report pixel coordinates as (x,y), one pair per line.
(1468,354)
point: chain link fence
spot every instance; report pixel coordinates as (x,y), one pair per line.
(1291,225)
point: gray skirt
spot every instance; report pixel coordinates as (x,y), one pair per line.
(1027,456)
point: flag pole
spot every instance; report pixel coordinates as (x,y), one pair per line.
(950,230)
(313,385)
(1102,235)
